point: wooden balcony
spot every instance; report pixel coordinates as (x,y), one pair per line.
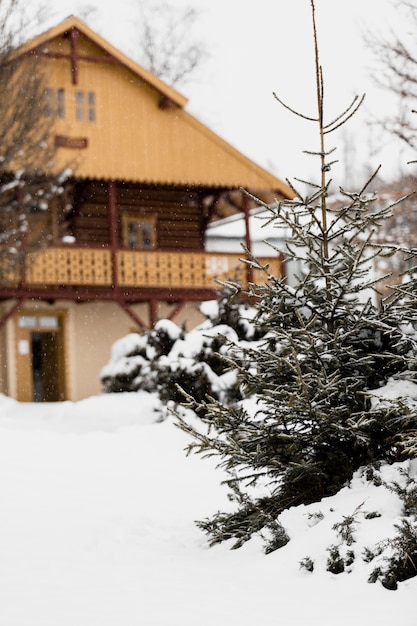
(133,269)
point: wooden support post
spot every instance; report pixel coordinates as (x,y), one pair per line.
(153,312)
(248,242)
(114,239)
(23,254)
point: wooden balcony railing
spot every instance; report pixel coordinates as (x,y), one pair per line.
(69,266)
(91,267)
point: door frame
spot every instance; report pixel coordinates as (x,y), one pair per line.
(38,320)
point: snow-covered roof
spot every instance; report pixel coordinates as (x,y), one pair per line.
(233,227)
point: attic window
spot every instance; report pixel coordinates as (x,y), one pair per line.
(55,102)
(85,106)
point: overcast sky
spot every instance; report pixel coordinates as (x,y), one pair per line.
(265,46)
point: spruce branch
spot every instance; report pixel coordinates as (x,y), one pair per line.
(294,111)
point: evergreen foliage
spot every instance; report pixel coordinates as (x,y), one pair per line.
(327,343)
(401,562)
(161,361)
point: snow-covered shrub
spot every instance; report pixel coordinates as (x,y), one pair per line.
(399,553)
(129,360)
(169,361)
(335,562)
(163,337)
(401,563)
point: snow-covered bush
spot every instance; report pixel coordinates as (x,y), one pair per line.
(128,360)
(397,556)
(169,361)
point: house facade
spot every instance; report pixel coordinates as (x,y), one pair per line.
(126,237)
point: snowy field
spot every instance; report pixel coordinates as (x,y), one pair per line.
(96,529)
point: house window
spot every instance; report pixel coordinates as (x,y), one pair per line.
(27,321)
(91,102)
(55,102)
(85,106)
(60,109)
(79,106)
(49,106)
(139,233)
(32,321)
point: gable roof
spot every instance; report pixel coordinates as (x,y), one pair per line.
(167,145)
(73,22)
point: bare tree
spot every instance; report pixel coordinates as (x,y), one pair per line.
(27,181)
(166,43)
(24,127)
(396,72)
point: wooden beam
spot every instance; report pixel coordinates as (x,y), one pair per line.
(132,314)
(74,55)
(153,311)
(11,312)
(114,238)
(131,295)
(179,306)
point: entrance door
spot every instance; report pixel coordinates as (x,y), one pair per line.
(40,358)
(45,366)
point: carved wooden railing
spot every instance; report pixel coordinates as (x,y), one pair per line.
(69,266)
(92,267)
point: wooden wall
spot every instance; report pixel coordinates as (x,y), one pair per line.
(84,214)
(134,134)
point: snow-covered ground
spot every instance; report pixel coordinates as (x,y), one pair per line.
(98,503)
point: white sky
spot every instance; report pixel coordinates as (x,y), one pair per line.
(265,46)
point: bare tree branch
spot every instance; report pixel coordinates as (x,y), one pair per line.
(27,182)
(166,43)
(396,60)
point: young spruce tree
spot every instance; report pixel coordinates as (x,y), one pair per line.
(330,341)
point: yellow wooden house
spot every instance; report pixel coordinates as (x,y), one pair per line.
(127,236)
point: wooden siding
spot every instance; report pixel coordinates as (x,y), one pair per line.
(48,40)
(176,213)
(133,137)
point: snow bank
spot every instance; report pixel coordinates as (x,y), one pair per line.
(97,529)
